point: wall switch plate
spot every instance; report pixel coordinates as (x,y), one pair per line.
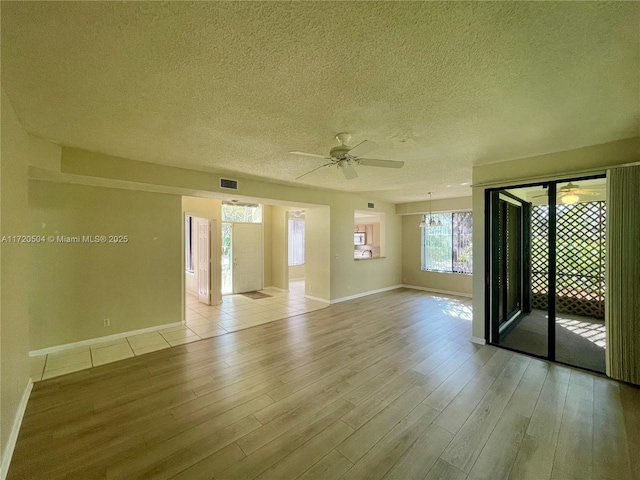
(106,322)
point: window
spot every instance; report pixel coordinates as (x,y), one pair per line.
(241,212)
(447,245)
(188,243)
(296,240)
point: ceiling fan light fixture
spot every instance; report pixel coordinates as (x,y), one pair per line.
(572,198)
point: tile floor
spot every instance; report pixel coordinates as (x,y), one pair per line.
(236,312)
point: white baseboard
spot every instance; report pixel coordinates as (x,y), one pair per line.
(478,340)
(15,430)
(93,341)
(317,299)
(364,294)
(277,288)
(435,290)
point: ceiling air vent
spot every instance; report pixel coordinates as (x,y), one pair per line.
(228,184)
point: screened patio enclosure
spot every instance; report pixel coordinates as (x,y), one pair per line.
(546,270)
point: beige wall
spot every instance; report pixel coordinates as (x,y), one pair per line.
(439,205)
(296,272)
(209,208)
(18,151)
(347,277)
(556,165)
(317,252)
(73,287)
(279,247)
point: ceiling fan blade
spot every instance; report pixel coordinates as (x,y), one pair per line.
(538,196)
(311,171)
(374,162)
(362,148)
(305,154)
(349,172)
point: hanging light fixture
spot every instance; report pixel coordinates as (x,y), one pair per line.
(431,222)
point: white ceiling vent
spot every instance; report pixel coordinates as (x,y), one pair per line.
(228,184)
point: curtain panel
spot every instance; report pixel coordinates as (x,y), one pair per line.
(622,299)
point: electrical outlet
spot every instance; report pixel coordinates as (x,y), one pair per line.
(106,322)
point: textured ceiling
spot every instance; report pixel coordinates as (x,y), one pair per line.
(235,86)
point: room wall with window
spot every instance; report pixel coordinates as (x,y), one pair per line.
(412,261)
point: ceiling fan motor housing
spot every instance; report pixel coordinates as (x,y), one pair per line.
(339,152)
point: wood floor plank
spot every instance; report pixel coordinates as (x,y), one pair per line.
(500,451)
(525,396)
(534,460)
(298,414)
(443,471)
(449,388)
(630,401)
(379,459)
(383,386)
(170,465)
(547,414)
(287,442)
(298,461)
(574,450)
(458,410)
(213,464)
(610,455)
(156,451)
(470,440)
(364,412)
(369,434)
(422,455)
(333,465)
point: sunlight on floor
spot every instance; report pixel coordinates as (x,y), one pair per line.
(594,332)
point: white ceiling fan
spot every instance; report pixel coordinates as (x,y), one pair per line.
(345,157)
(571,193)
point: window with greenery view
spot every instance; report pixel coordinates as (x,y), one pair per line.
(241,212)
(296,241)
(447,245)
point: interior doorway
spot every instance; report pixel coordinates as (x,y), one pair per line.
(545,265)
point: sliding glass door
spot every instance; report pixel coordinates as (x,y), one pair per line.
(545,270)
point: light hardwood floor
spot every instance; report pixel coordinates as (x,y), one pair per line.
(382,387)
